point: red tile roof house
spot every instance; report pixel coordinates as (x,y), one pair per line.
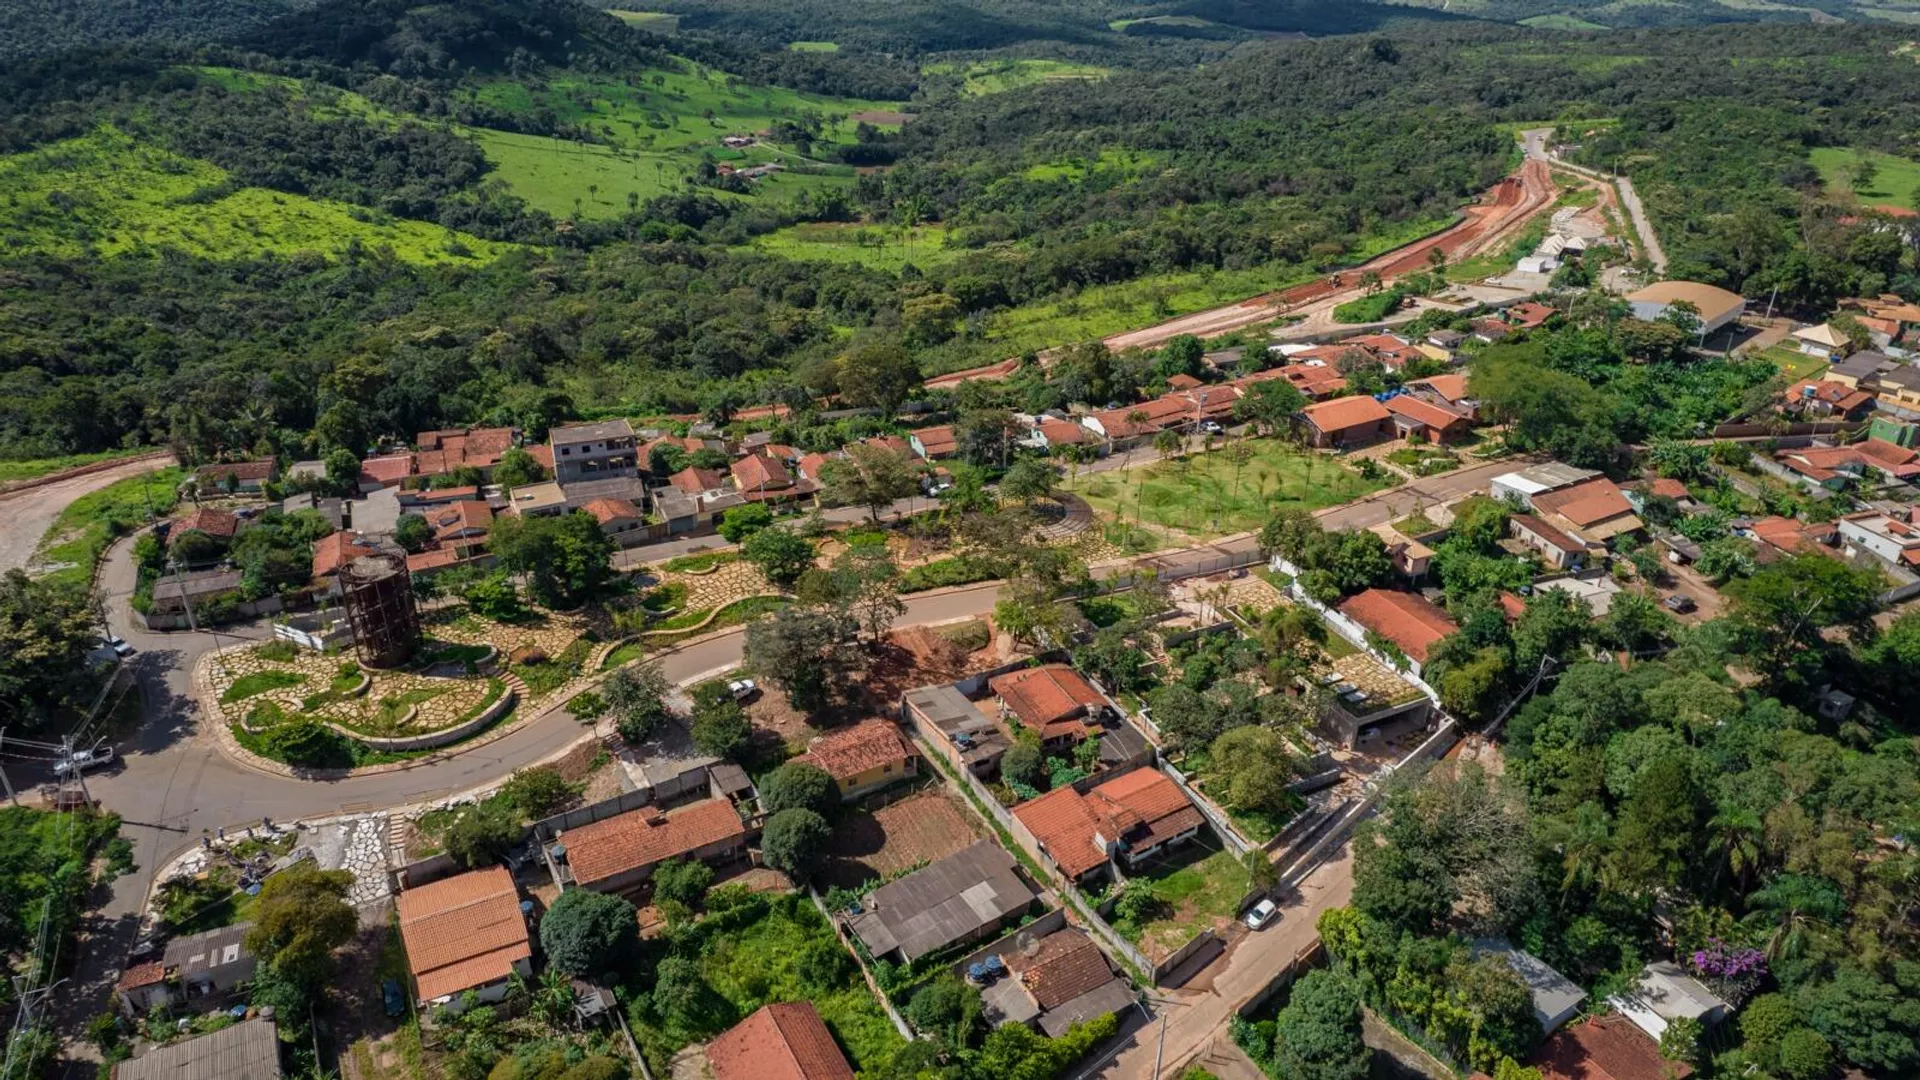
(1594,510)
(784,1041)
(1183,381)
(1605,1048)
(464,933)
(619,853)
(1560,550)
(697,482)
(444,452)
(1409,621)
(1058,981)
(469,520)
(1318,381)
(388,471)
(1826,398)
(863,758)
(1058,433)
(1346,422)
(248,476)
(1130,818)
(619,519)
(335,550)
(1052,699)
(933,443)
(216,524)
(1528,315)
(1419,418)
(1449,390)
(767,479)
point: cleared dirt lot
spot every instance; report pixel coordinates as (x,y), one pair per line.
(917,829)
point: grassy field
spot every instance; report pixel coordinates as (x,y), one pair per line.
(1102,310)
(1077,168)
(814,46)
(653,22)
(1194,889)
(83,530)
(1191,21)
(1560,22)
(1894,182)
(657,128)
(108,193)
(999,76)
(15,471)
(1795,364)
(880,246)
(1209,495)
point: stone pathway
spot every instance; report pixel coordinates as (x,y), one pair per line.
(441,700)
(366,860)
(728,583)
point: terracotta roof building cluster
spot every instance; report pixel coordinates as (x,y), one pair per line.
(1836,466)
(1131,817)
(1055,982)
(1052,699)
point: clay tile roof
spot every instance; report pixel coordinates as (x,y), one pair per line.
(239,470)
(786,1041)
(462,932)
(336,549)
(1182,381)
(939,441)
(1409,621)
(1585,503)
(1452,387)
(1117,426)
(891,442)
(461,516)
(387,471)
(1546,532)
(437,559)
(1671,488)
(605,511)
(542,454)
(1784,533)
(213,522)
(1062,966)
(694,481)
(644,837)
(1062,432)
(1047,694)
(1064,825)
(1605,1048)
(1529,314)
(811,465)
(865,746)
(1426,413)
(1511,605)
(756,472)
(139,975)
(1341,414)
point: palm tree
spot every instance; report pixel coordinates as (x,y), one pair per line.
(1800,906)
(1735,835)
(1583,843)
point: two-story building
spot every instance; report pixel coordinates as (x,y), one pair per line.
(594,451)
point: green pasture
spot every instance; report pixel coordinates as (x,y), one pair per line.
(653,22)
(883,247)
(1894,178)
(109,193)
(999,76)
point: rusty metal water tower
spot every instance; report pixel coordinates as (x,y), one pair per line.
(378,594)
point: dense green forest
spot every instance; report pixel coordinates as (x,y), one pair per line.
(368,218)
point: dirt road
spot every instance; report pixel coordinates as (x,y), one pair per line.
(26,515)
(1502,213)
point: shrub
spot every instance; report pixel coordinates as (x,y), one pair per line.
(682,880)
(794,840)
(483,833)
(799,786)
(743,521)
(537,792)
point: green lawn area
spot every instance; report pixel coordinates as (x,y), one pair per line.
(14,471)
(1190,21)
(1560,22)
(814,46)
(998,76)
(1209,495)
(108,193)
(1796,364)
(1195,885)
(83,530)
(883,247)
(777,956)
(260,682)
(1075,168)
(1893,184)
(653,22)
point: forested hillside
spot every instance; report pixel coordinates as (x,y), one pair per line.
(181,226)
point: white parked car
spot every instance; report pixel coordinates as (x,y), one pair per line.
(118,644)
(742,689)
(1262,913)
(83,760)
(1209,427)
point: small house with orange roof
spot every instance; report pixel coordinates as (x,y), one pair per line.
(783,1041)
(1826,398)
(619,519)
(334,550)
(934,443)
(1409,621)
(617,854)
(464,933)
(863,758)
(1129,818)
(1053,700)
(1346,422)
(220,526)
(1417,418)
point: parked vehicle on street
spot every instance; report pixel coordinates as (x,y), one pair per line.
(1260,914)
(83,761)
(742,689)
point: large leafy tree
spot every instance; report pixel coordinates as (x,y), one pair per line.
(46,632)
(636,695)
(586,933)
(870,476)
(301,917)
(877,375)
(812,655)
(1318,1033)
(565,559)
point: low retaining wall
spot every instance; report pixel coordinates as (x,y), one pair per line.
(431,739)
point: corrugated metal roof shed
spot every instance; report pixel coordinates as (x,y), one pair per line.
(246,1051)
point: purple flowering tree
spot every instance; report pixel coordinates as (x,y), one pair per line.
(1731,971)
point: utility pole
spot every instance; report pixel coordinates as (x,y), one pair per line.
(8,784)
(79,774)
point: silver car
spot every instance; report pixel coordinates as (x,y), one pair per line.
(83,760)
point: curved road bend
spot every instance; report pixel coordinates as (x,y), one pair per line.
(30,512)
